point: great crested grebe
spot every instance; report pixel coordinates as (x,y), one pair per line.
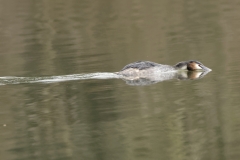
(147,68)
(137,73)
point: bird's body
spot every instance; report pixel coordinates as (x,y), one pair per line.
(147,68)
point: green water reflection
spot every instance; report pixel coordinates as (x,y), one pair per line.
(107,119)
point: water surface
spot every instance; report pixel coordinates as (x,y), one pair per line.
(94,119)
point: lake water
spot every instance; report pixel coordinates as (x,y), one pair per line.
(105,118)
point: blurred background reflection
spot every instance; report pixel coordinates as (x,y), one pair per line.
(108,119)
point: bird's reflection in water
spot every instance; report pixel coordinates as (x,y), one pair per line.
(146,80)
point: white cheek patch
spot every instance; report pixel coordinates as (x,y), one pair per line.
(197,66)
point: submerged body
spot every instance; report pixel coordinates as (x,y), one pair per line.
(147,68)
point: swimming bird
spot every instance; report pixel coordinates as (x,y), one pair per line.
(148,68)
(137,73)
